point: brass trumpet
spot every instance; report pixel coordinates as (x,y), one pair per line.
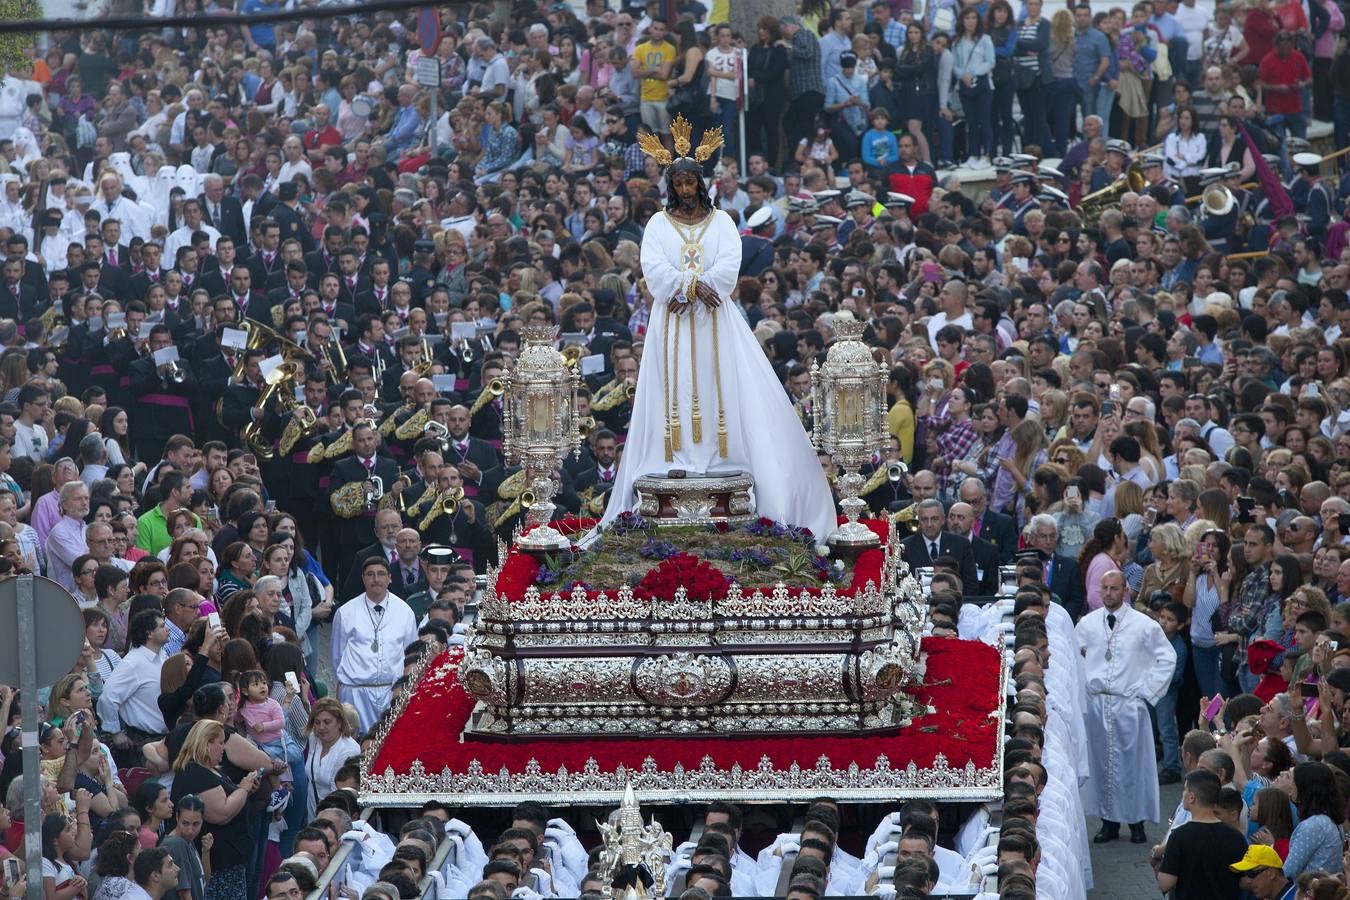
(586,424)
(616,396)
(572,355)
(496,388)
(446,503)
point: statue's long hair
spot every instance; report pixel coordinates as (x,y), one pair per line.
(684,164)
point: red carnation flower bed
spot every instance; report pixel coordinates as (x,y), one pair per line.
(519,571)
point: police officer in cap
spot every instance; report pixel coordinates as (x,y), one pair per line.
(422,276)
(1023,201)
(756,247)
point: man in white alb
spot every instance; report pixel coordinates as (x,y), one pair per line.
(369,634)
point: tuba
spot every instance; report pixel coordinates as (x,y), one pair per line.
(282,376)
(1091,207)
(1217,200)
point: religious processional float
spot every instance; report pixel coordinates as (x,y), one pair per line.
(692,650)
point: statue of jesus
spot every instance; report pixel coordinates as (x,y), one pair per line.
(707,398)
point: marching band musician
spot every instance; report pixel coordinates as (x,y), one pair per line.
(162,397)
(1220,221)
(239,402)
(356,507)
(478,462)
(485,415)
(466,529)
(369,634)
(1023,200)
(1311,196)
(613,406)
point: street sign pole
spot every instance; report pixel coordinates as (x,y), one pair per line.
(32,778)
(41,634)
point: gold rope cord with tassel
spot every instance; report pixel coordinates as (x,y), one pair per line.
(717,380)
(665,381)
(693,364)
(675,441)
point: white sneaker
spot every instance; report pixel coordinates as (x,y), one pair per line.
(984,163)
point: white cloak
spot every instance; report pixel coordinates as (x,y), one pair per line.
(764,435)
(1123,784)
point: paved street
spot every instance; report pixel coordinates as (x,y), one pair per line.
(1120,870)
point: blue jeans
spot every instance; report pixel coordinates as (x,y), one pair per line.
(295,813)
(1166,714)
(1206,661)
(1063,99)
(946,134)
(1106,99)
(1004,125)
(978,103)
(727,116)
(1032,102)
(1246,680)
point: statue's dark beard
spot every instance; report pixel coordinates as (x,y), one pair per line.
(687,204)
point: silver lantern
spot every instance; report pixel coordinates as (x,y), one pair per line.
(848,396)
(540,429)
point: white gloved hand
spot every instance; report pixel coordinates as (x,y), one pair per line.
(560,825)
(524,893)
(544,880)
(457,826)
(884,891)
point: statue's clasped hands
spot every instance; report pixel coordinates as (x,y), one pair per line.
(703,293)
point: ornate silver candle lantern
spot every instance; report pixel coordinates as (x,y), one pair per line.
(539,429)
(849,398)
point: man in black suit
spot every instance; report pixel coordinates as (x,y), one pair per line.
(932,541)
(959,518)
(138,285)
(473,457)
(353,284)
(267,259)
(343,315)
(221,211)
(358,531)
(213,273)
(994,527)
(325,259)
(115,253)
(600,475)
(387,526)
(18,299)
(1058,571)
(297,282)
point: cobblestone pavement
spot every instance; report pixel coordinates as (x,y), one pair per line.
(1120,870)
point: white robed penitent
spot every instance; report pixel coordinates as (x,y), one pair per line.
(368,653)
(1128,670)
(717,360)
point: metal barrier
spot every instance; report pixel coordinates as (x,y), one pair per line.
(337,863)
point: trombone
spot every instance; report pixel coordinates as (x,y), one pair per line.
(331,352)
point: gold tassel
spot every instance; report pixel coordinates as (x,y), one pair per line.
(675,396)
(695,414)
(665,385)
(717,381)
